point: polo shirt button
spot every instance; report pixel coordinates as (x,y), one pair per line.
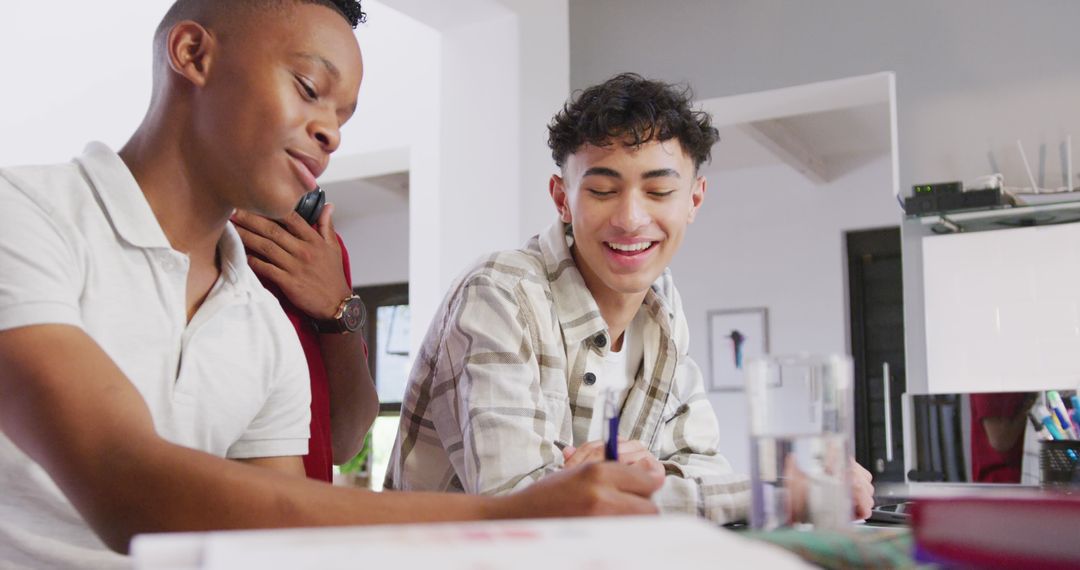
(589,379)
(599,340)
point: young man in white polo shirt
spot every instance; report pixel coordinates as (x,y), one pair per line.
(137,349)
(510,383)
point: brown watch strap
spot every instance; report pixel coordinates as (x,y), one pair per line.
(329,326)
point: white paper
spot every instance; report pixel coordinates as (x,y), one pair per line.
(563,544)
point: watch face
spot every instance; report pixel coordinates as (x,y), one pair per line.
(353,316)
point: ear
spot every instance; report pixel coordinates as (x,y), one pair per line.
(557,189)
(697,196)
(189,48)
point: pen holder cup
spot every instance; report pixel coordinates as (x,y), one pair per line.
(1059,462)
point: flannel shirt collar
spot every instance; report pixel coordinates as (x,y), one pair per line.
(578,314)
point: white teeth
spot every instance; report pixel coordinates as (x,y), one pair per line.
(640,246)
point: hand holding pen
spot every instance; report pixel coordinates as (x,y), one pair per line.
(613,448)
(631,452)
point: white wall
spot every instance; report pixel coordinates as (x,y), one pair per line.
(395,124)
(461,204)
(466,169)
(73,72)
(767,237)
(401,57)
(378,247)
(544,60)
(478,145)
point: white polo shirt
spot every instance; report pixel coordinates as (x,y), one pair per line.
(79,245)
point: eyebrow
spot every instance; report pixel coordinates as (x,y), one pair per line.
(329,65)
(344,113)
(604,171)
(662,173)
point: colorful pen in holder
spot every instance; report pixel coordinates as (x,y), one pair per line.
(1057,408)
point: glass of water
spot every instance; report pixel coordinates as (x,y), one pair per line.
(800,434)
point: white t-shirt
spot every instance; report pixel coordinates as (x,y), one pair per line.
(79,245)
(617,373)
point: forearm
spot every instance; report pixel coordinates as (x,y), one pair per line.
(88,427)
(193,491)
(354,403)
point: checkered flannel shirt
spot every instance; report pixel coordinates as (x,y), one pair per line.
(499,386)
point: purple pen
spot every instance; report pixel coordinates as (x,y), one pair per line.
(611,424)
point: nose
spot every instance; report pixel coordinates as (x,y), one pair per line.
(632,213)
(327,133)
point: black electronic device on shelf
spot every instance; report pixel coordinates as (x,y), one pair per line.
(939,197)
(937,188)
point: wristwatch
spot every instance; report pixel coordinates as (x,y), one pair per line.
(350,317)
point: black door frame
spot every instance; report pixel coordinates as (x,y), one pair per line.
(376,296)
(863,246)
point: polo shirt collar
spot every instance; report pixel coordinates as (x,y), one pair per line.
(121,197)
(234,265)
(135,222)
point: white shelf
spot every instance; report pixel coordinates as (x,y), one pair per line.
(1003,217)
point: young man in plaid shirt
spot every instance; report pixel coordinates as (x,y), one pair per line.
(511,379)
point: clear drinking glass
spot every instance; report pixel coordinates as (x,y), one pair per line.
(800,433)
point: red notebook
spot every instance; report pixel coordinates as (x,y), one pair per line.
(1026,530)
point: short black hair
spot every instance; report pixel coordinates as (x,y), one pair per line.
(208,12)
(631,110)
(192,9)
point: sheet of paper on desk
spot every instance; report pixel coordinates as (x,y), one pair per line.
(566,544)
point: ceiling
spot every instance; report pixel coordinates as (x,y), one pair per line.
(841,139)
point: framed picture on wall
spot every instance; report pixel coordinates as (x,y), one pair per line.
(735,335)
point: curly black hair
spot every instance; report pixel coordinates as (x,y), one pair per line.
(350,9)
(631,110)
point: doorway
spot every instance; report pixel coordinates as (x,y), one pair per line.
(875,285)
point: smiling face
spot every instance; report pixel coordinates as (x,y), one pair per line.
(629,208)
(268,107)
